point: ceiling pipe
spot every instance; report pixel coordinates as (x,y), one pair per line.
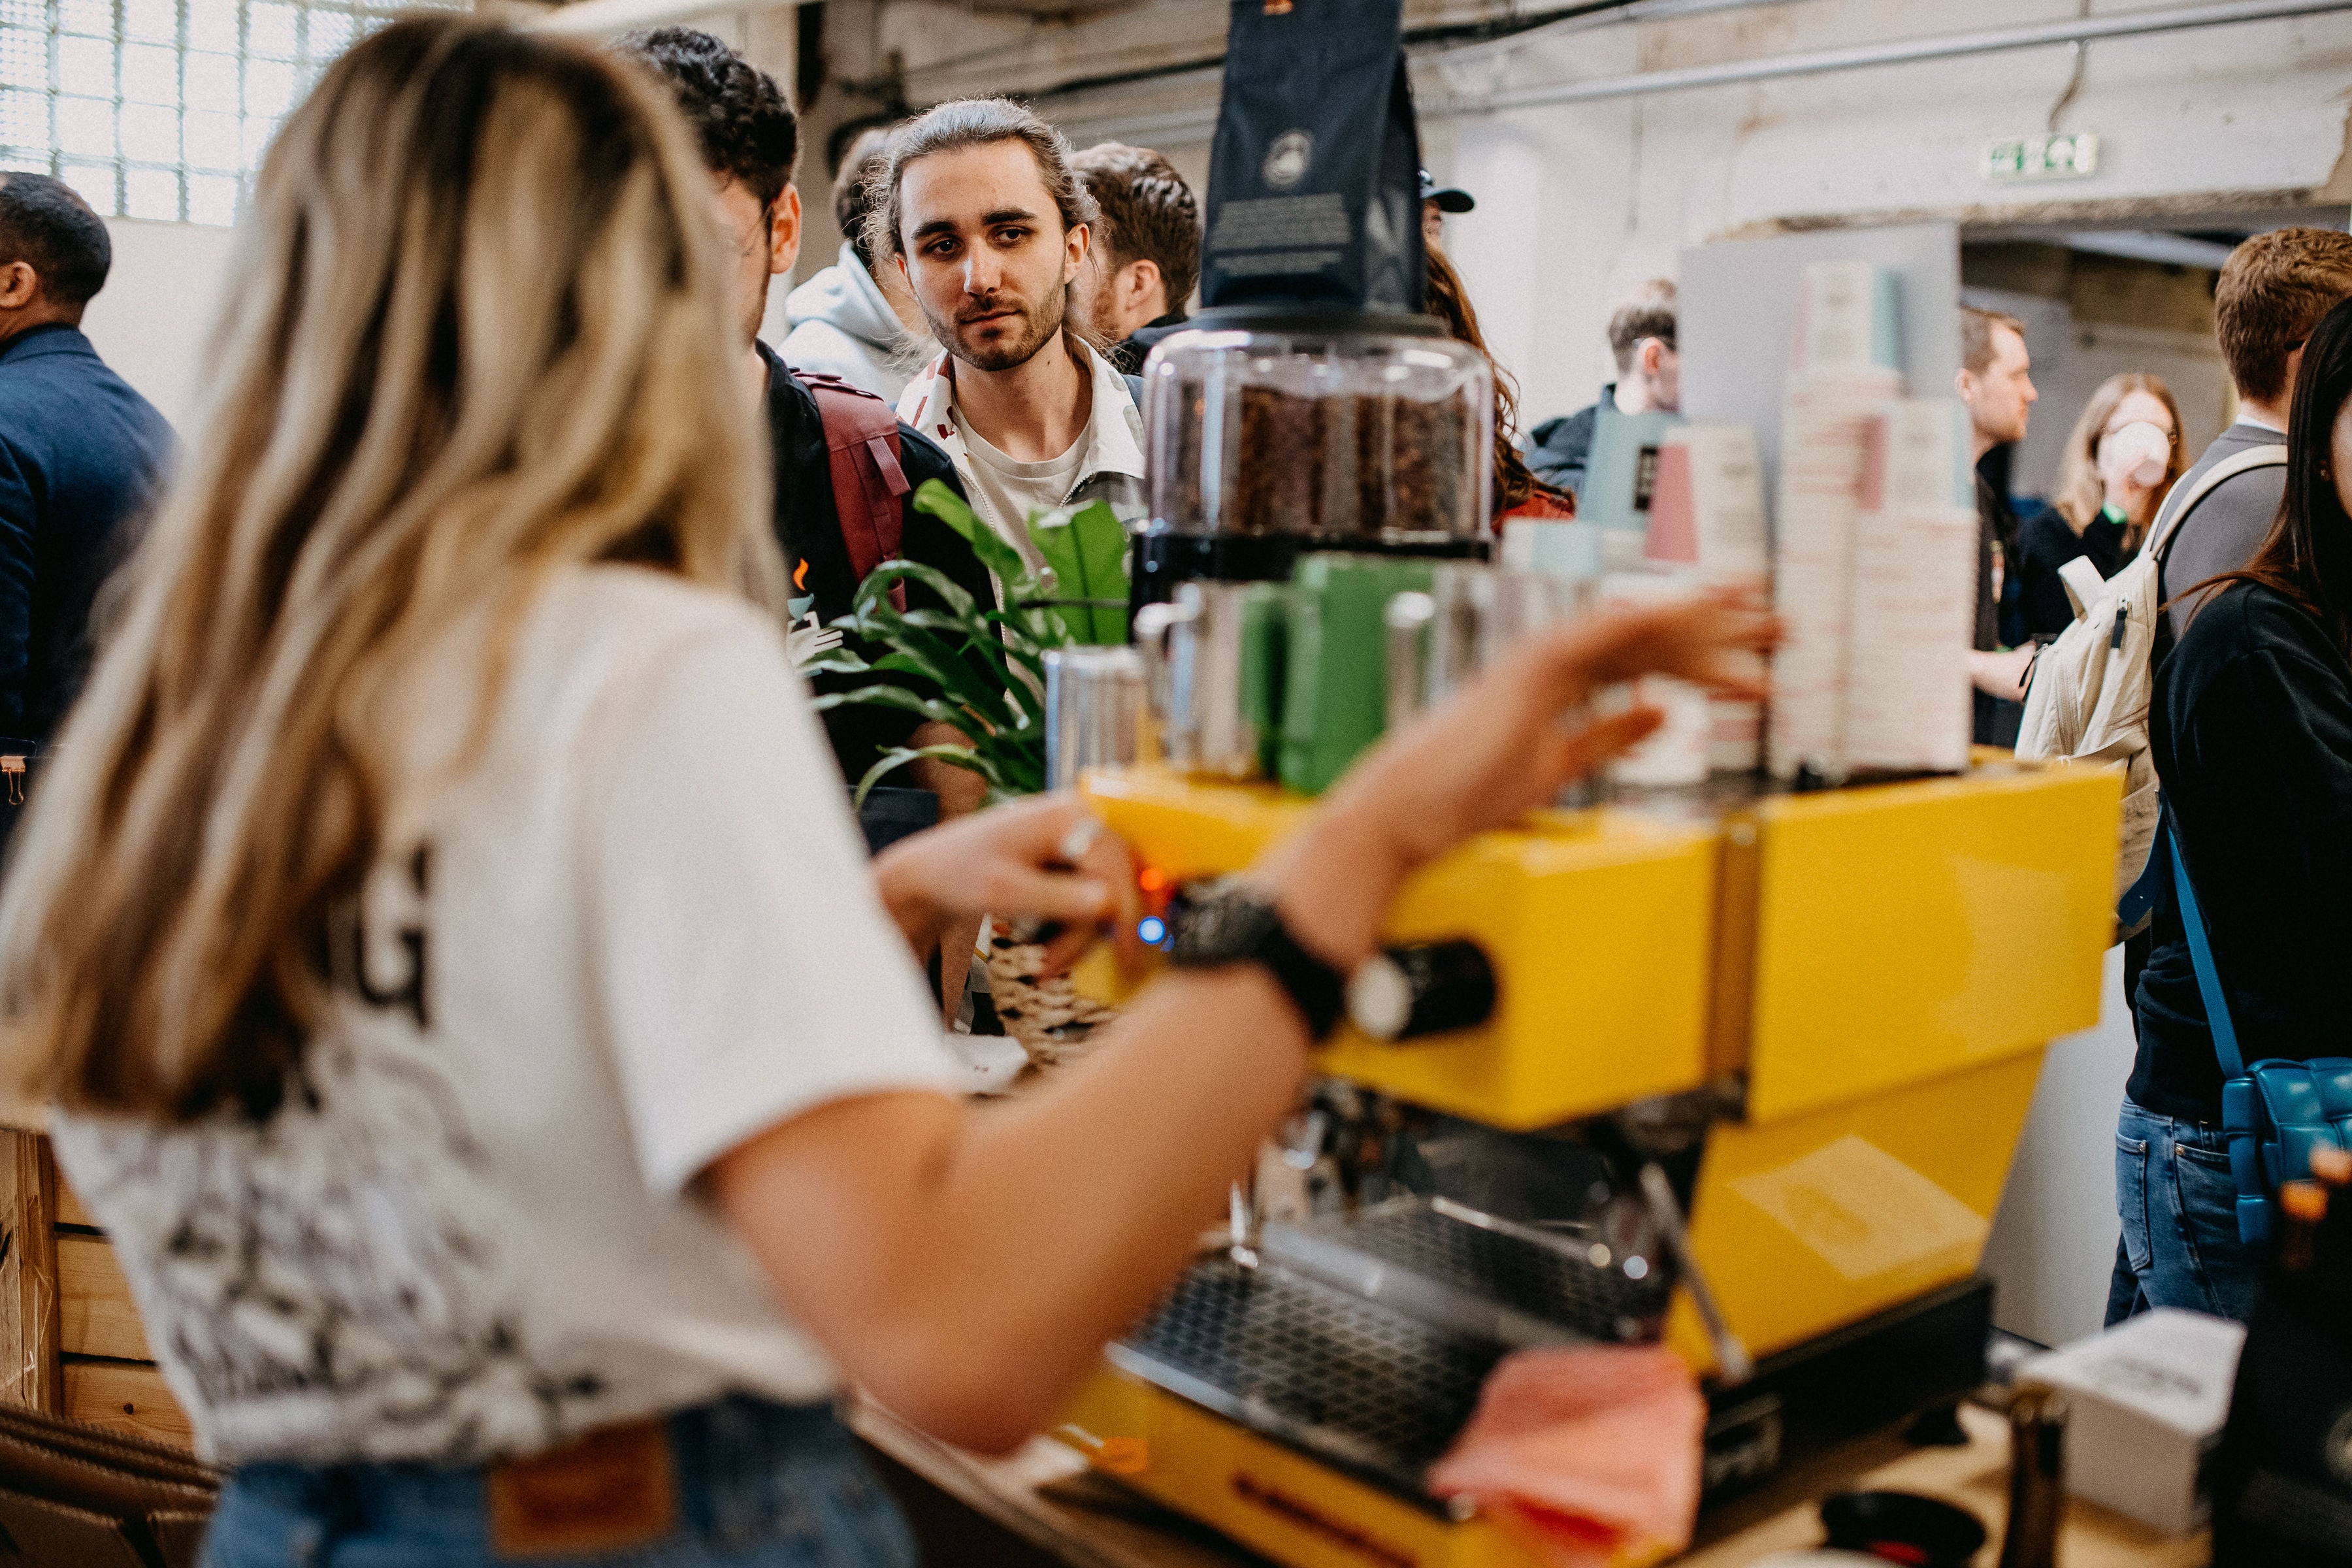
(1908,51)
(599,18)
(1197,125)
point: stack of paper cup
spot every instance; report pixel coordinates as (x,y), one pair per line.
(1706,519)
(1848,316)
(1914,585)
(1825,429)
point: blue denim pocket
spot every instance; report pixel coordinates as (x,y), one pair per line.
(2207,1198)
(863,1525)
(2131,1199)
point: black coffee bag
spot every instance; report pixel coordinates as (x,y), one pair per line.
(1315,184)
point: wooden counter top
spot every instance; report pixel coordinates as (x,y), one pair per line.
(1061,1513)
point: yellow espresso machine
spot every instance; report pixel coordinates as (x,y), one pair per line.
(1746,1075)
(1824,1013)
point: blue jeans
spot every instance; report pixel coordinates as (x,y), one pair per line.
(758,1486)
(2178,1205)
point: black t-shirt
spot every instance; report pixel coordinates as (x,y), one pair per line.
(1996,720)
(2250,728)
(808,526)
(2045,542)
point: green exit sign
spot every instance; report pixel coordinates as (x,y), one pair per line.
(2044,158)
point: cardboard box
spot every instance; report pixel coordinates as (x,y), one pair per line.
(2149,1397)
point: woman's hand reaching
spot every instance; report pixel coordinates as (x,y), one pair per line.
(1044,857)
(1502,746)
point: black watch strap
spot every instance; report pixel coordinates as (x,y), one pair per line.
(1318,990)
(1228,924)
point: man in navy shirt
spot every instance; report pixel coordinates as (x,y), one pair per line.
(81,453)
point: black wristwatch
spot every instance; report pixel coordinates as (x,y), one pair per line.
(1229,921)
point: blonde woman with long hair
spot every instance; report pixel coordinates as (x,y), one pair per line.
(448,951)
(2122,459)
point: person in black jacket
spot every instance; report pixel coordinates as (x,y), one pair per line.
(1649,378)
(2251,730)
(1145,257)
(81,453)
(750,139)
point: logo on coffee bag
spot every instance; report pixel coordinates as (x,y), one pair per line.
(1286,160)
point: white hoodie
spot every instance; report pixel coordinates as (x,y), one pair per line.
(841,325)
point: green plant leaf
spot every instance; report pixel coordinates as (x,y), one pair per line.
(1012,571)
(1036,630)
(979,669)
(1029,659)
(898,757)
(917,652)
(951,593)
(840,661)
(881,695)
(1087,550)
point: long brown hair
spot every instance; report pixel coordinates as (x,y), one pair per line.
(2306,557)
(2082,494)
(478,334)
(1514,483)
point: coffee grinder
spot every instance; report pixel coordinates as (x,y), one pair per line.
(1312,405)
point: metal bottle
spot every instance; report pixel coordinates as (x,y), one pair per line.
(2037,1478)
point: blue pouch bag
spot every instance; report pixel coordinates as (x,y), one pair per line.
(2276,1111)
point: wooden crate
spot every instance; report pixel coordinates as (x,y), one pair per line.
(97,1316)
(125,1396)
(70,1341)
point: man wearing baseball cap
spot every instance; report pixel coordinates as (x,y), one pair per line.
(1435,204)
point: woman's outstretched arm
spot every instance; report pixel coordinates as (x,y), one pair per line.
(966,1266)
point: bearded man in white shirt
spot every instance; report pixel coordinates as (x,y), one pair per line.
(990,226)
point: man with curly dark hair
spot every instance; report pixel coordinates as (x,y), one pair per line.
(1146,256)
(750,140)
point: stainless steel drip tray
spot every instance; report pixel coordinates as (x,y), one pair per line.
(1365,1341)
(1456,1268)
(1358,1385)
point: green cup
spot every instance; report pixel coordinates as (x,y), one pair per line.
(1334,687)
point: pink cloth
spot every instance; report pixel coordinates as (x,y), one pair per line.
(1586,1453)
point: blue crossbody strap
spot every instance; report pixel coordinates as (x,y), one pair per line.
(2200,956)
(2241,1115)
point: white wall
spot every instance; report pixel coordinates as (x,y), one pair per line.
(156,315)
(2053,1247)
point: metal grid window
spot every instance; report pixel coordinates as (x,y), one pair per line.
(160,109)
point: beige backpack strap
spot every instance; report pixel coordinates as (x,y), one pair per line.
(2178,505)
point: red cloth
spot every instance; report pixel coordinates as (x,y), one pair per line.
(1590,1453)
(1541,507)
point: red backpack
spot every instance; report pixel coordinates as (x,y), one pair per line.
(869,486)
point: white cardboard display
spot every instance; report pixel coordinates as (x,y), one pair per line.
(2148,1398)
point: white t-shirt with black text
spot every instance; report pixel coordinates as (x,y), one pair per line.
(637,931)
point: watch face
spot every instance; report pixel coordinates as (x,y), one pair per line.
(1223,924)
